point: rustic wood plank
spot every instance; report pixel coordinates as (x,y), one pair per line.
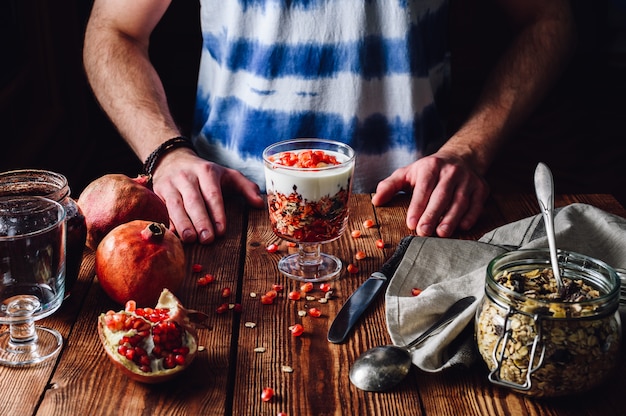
(85,372)
(228,377)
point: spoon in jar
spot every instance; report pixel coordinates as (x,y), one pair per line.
(544,188)
(381,368)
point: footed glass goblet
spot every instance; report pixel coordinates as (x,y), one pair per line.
(308,184)
(32,277)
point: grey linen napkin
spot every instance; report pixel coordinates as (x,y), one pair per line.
(448,269)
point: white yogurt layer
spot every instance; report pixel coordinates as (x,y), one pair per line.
(312,184)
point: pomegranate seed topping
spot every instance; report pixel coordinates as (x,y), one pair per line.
(325,287)
(380,243)
(267,394)
(315,313)
(355,233)
(306,287)
(294,295)
(416,291)
(272,248)
(360,255)
(368,223)
(352,269)
(196,268)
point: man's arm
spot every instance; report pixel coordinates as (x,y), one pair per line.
(523,75)
(131,93)
(448,187)
(121,75)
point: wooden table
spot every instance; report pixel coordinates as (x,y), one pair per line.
(228,376)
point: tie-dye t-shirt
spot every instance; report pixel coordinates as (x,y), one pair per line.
(370,73)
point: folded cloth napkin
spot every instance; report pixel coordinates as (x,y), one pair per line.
(448,269)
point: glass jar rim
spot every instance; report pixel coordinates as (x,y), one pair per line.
(41,176)
(309,144)
(527,258)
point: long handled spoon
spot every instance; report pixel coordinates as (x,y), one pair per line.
(544,188)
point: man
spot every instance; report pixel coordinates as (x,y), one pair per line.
(371,74)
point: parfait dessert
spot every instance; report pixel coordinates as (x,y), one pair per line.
(308,187)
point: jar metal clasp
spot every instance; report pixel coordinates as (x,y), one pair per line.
(495,374)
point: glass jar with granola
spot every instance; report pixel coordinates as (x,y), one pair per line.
(542,341)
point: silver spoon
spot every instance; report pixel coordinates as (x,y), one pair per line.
(544,188)
(381,368)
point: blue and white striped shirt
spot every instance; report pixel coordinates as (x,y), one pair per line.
(369,73)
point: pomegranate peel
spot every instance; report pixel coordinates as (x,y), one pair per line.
(150,345)
(136,260)
(114,199)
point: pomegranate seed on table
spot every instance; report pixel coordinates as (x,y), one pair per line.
(306,287)
(325,287)
(267,394)
(352,269)
(294,295)
(315,313)
(277,287)
(296,330)
(205,280)
(196,268)
(368,223)
(380,243)
(355,233)
(416,291)
(226,292)
(271,293)
(222,308)
(267,300)
(272,248)
(360,255)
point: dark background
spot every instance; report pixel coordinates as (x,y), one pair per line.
(50,119)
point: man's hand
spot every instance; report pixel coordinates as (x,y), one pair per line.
(446,193)
(192,189)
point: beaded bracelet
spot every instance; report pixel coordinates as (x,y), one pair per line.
(165,147)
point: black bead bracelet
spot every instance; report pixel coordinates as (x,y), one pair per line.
(164,148)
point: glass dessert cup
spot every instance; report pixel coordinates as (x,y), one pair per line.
(32,265)
(308,184)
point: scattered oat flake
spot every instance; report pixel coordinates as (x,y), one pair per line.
(250,325)
(323,300)
(260,349)
(286,369)
(301,313)
(310,298)
(328,294)
(252,295)
(201,348)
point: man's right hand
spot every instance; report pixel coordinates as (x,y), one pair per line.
(193,188)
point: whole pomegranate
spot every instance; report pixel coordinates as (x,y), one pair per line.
(150,345)
(137,260)
(114,199)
